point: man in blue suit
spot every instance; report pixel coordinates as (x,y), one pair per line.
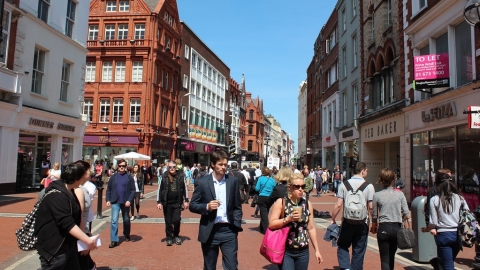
(217,198)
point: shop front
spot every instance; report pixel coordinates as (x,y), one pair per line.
(440,138)
(40,139)
(329,150)
(162,149)
(104,148)
(382,145)
(348,141)
(317,153)
(191,152)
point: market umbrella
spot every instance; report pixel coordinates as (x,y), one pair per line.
(132,156)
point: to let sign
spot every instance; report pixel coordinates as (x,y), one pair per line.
(431,67)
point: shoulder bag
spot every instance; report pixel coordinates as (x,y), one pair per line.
(406,237)
(274,242)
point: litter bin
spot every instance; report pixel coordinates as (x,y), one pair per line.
(426,248)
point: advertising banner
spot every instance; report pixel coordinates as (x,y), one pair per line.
(192,132)
(474,117)
(431,71)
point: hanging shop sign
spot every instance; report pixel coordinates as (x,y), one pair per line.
(474,117)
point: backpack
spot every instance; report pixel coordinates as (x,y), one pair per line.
(355,205)
(308,184)
(467,228)
(25,235)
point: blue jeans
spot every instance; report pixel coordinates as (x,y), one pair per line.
(295,259)
(356,236)
(337,184)
(116,208)
(448,247)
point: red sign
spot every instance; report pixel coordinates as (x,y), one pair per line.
(474,117)
(327,139)
(431,67)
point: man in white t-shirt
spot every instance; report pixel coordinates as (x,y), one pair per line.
(355,235)
(91,189)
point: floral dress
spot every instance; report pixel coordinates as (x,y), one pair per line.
(298,236)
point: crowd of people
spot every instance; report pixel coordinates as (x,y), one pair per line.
(280,195)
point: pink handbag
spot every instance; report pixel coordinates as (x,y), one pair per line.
(273,243)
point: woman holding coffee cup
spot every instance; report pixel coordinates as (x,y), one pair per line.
(298,216)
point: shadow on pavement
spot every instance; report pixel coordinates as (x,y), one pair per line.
(6,200)
(184,238)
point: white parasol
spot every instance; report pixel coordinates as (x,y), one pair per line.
(132,156)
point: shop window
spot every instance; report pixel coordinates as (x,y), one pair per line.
(420,164)
(442,136)
(468,161)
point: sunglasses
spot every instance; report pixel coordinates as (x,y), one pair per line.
(172,167)
(297,187)
(122,166)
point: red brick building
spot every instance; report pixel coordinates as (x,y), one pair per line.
(255,128)
(133,79)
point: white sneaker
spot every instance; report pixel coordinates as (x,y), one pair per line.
(132,218)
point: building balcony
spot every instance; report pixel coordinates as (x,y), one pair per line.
(11,81)
(117,42)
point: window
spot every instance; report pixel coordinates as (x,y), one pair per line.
(65,81)
(354,8)
(250,129)
(355,101)
(250,144)
(119,72)
(187,52)
(209,96)
(345,107)
(418,5)
(43,6)
(389,12)
(109,31)
(104,110)
(93,32)
(344,20)
(135,110)
(184,113)
(166,81)
(383,88)
(139,31)
(124,6)
(463,49)
(331,75)
(373,27)
(250,114)
(194,58)
(117,111)
(90,72)
(38,70)
(198,90)
(70,18)
(88,108)
(185,81)
(107,72)
(111,6)
(344,56)
(332,40)
(204,93)
(5,33)
(355,50)
(122,31)
(137,71)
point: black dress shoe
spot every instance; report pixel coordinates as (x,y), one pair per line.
(113,244)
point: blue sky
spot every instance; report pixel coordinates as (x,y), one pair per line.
(270,41)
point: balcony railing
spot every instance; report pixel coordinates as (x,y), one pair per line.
(116,42)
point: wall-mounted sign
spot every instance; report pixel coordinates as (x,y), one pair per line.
(110,139)
(388,127)
(439,112)
(40,123)
(348,133)
(474,117)
(431,71)
(65,127)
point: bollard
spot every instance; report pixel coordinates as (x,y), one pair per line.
(100,199)
(476,265)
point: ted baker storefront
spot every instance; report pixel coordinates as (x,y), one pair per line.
(438,136)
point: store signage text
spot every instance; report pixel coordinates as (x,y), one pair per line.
(348,133)
(327,139)
(383,129)
(65,127)
(105,139)
(443,111)
(40,123)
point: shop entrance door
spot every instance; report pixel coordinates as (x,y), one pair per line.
(441,157)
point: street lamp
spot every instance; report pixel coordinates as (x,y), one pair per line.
(267,140)
(471,13)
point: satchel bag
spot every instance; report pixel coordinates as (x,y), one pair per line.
(406,237)
(274,241)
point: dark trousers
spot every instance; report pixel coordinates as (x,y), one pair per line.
(295,259)
(245,194)
(222,237)
(356,236)
(387,243)
(264,205)
(318,185)
(66,258)
(171,212)
(136,203)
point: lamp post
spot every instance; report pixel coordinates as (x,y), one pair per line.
(471,13)
(267,140)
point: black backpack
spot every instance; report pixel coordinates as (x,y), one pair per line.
(25,235)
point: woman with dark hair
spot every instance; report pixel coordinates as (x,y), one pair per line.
(390,209)
(138,179)
(264,187)
(57,225)
(444,216)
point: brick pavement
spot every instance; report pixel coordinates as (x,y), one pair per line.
(148,249)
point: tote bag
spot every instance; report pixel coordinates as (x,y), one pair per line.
(406,237)
(273,243)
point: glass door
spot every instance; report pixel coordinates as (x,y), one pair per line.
(441,157)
